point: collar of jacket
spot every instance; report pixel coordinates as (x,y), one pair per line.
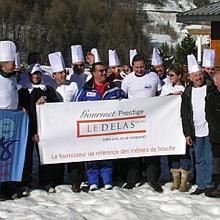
(207,76)
(205,82)
(209,84)
(6,75)
(163,77)
(215,90)
(38,86)
(90,84)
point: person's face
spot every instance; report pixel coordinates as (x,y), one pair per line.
(217,81)
(127,69)
(209,70)
(60,77)
(174,78)
(90,58)
(100,74)
(115,70)
(139,67)
(35,78)
(197,78)
(9,66)
(78,67)
(159,69)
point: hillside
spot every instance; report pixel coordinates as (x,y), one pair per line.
(161,21)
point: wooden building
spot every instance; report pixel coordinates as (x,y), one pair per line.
(206,15)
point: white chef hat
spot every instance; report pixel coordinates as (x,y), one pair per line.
(56,62)
(156,58)
(208,58)
(132,54)
(36,68)
(94,51)
(7,51)
(113,58)
(17,61)
(77,54)
(192,64)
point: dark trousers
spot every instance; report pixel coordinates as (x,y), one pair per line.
(129,170)
(50,174)
(77,174)
(216,164)
(152,168)
(28,164)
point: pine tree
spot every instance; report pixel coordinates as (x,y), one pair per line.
(186,47)
(166,53)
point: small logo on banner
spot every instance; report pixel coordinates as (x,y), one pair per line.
(5,149)
(7,130)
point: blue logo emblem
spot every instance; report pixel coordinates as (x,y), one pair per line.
(5,149)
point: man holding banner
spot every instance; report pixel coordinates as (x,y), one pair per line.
(142,84)
(8,84)
(98,88)
(13,124)
(195,126)
(37,93)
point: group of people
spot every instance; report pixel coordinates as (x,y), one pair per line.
(200,113)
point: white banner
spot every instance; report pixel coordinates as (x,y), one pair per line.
(83,131)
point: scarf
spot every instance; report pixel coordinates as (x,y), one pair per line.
(7,75)
(38,86)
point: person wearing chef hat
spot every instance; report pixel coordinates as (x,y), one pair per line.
(132,53)
(66,89)
(195,126)
(158,67)
(208,63)
(8,91)
(127,68)
(79,75)
(114,68)
(8,82)
(114,62)
(36,93)
(66,92)
(93,56)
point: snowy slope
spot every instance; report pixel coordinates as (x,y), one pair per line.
(172,5)
(167,14)
(141,203)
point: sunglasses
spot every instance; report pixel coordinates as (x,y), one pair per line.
(78,65)
(171,75)
(36,73)
(102,70)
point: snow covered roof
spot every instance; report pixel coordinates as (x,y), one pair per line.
(202,15)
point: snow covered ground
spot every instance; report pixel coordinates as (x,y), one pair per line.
(121,204)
